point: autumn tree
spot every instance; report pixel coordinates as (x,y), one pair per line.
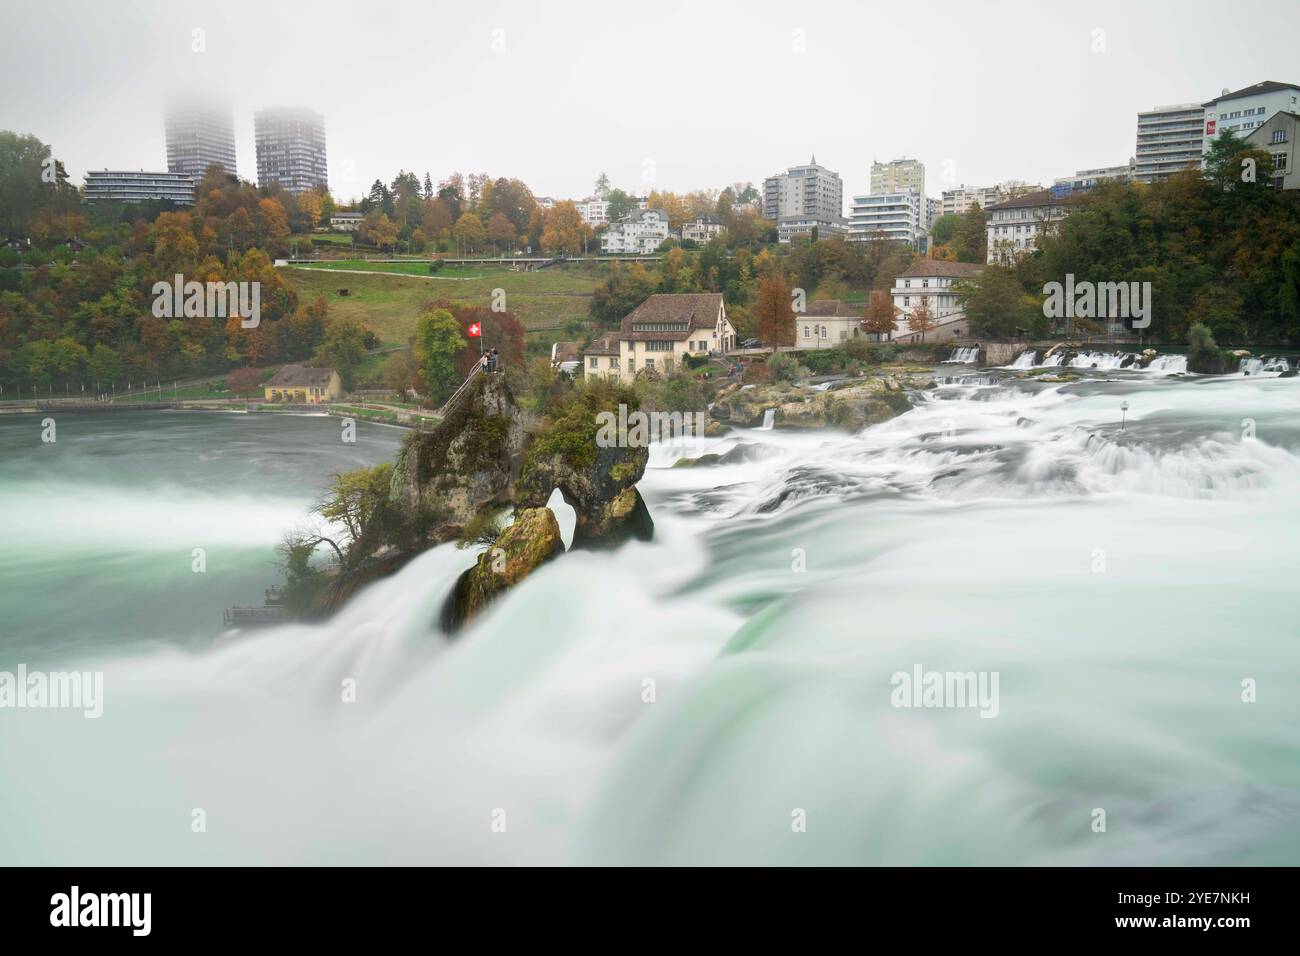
(468,232)
(881,317)
(564,230)
(921,318)
(500,230)
(773,312)
(378,230)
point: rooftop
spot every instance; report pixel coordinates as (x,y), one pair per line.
(941,268)
(301,376)
(690,311)
(1268,86)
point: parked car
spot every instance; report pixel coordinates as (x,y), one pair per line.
(751,344)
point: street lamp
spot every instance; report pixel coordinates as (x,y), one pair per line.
(1123,412)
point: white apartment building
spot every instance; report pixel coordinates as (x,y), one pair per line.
(702,229)
(641,233)
(804,198)
(290,149)
(1014,227)
(1086,179)
(121,185)
(1169,140)
(954,202)
(897,175)
(930,280)
(1278,137)
(1246,110)
(593,210)
(200,134)
(895,216)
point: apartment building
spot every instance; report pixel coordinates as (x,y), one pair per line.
(290,149)
(1015,226)
(1086,179)
(804,198)
(1246,110)
(897,175)
(120,185)
(954,202)
(897,216)
(199,134)
(593,210)
(1169,140)
(641,233)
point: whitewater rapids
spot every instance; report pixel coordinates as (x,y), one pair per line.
(681,701)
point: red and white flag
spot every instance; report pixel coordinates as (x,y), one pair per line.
(475,330)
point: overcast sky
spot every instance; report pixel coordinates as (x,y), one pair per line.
(696,94)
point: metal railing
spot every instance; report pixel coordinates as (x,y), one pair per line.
(461,392)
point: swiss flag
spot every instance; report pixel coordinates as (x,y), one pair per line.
(475,330)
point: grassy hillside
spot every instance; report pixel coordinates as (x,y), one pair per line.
(388,304)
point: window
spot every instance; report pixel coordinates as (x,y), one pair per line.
(1279,162)
(649,363)
(822,333)
(613,363)
(807,332)
(1279,136)
(591,362)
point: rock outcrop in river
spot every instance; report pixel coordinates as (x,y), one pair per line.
(852,406)
(488,456)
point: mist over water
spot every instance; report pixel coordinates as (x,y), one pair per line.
(1123,584)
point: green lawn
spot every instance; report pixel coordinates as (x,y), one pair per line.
(388,304)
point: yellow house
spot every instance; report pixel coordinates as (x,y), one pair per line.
(664,329)
(304,386)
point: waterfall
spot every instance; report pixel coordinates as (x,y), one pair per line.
(1168,364)
(1253,366)
(1103,360)
(1025,360)
(963,356)
(769,419)
(1054,360)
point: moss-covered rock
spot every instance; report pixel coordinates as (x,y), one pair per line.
(861,402)
(531,541)
(446,477)
(594,480)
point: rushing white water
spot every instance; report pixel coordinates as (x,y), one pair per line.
(1025,359)
(1258,366)
(964,355)
(678,701)
(1168,365)
(769,418)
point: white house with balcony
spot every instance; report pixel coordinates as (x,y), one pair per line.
(702,229)
(641,233)
(931,281)
(1015,226)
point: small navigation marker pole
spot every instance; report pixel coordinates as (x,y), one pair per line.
(1123,413)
